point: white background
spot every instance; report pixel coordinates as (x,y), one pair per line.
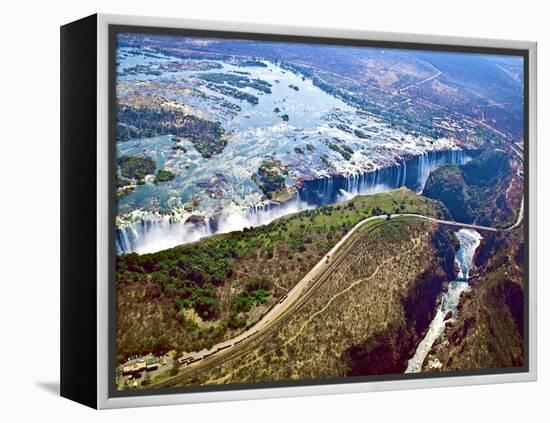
(29,198)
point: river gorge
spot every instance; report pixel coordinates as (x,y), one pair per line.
(448,308)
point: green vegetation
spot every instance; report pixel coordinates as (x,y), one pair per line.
(179,148)
(251,63)
(237,81)
(446,183)
(325,159)
(171,283)
(356,320)
(298,150)
(270,179)
(233,92)
(345,151)
(122,183)
(256,292)
(361,134)
(192,296)
(236,320)
(489,331)
(136,167)
(176,146)
(476,191)
(123,192)
(294,87)
(140,69)
(125,132)
(285,117)
(207,137)
(164,176)
(202,299)
(310,147)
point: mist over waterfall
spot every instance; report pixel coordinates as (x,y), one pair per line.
(154,233)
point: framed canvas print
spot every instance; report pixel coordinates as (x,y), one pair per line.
(254,211)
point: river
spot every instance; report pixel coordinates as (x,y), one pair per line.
(469,241)
(219,194)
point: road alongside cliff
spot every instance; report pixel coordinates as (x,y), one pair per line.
(316,274)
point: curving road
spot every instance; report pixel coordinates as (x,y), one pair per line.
(435,75)
(315,274)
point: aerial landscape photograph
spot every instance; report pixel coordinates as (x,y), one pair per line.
(295,211)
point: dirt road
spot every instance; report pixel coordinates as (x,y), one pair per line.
(315,274)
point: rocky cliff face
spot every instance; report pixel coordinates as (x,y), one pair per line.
(485,190)
(153,232)
(447,185)
(489,332)
(389,351)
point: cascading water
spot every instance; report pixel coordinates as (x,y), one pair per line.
(412,173)
(155,233)
(469,241)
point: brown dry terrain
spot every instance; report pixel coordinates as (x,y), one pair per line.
(489,331)
(365,317)
(152,316)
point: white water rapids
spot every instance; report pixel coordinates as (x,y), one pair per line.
(153,232)
(469,241)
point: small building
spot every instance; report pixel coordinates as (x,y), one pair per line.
(133,368)
(152,363)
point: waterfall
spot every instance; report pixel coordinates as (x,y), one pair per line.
(412,173)
(155,233)
(151,234)
(427,162)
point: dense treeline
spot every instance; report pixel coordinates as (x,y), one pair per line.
(136,167)
(256,291)
(238,81)
(233,92)
(343,149)
(164,175)
(189,297)
(270,179)
(125,132)
(198,264)
(179,283)
(251,62)
(475,191)
(206,136)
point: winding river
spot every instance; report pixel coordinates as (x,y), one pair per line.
(448,308)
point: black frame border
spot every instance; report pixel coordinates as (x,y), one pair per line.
(78,225)
(114,29)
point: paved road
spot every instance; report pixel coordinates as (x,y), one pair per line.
(450,222)
(309,280)
(519,219)
(520,214)
(288,299)
(314,274)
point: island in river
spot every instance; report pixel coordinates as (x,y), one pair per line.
(243,166)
